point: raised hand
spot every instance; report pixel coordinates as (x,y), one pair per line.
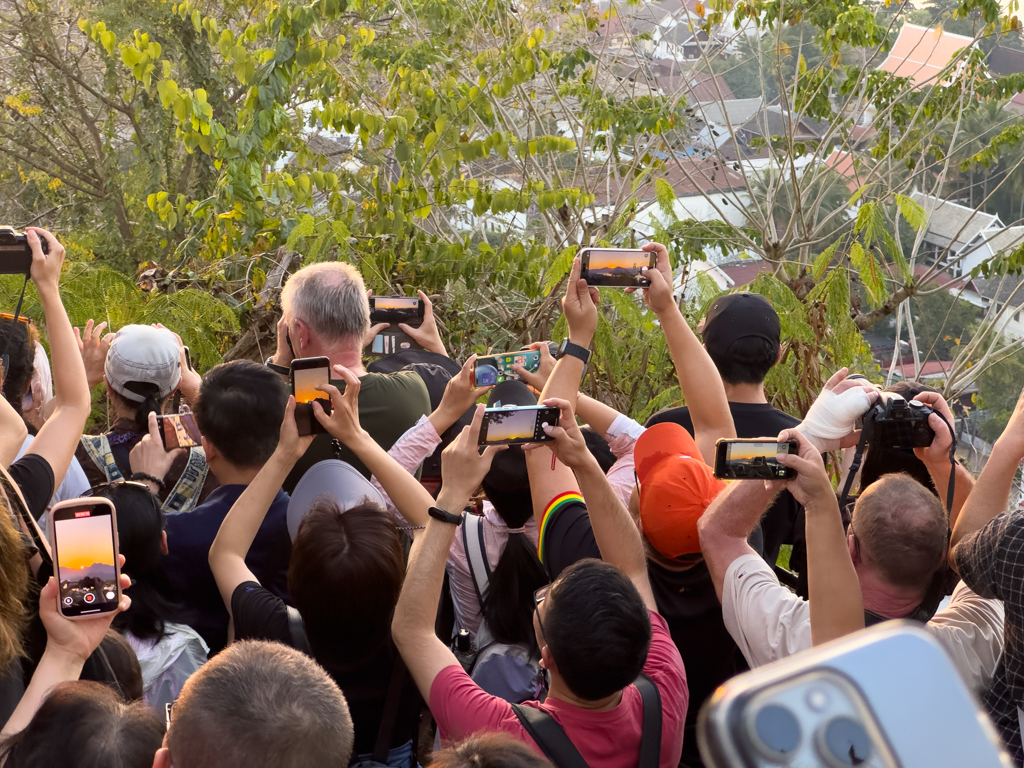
(343,423)
(537,379)
(427,335)
(579,305)
(93,344)
(290,444)
(463,465)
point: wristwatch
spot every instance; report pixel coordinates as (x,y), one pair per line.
(575,350)
(277,368)
(444,516)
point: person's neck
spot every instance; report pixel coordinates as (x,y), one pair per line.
(881,598)
(745,393)
(229,474)
(338,354)
(560,692)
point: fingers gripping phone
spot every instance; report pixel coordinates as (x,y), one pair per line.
(885,697)
(308,373)
(83,536)
(517,425)
(753,459)
(397,309)
(179,430)
(494,369)
(616,267)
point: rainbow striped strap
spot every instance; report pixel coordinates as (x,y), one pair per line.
(556,504)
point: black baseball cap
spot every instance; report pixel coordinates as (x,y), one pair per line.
(508,393)
(737,316)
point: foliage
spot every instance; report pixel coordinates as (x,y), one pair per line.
(999,387)
(941,323)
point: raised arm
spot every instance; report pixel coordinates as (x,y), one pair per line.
(12,433)
(699,380)
(463,468)
(58,438)
(243,521)
(936,455)
(991,493)
(837,607)
(614,530)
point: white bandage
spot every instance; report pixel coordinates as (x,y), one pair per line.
(832,417)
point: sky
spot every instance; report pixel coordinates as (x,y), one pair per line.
(603,259)
(395,302)
(517,425)
(84,541)
(306,379)
(739,451)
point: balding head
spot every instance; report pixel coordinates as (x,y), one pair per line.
(902,530)
(330,298)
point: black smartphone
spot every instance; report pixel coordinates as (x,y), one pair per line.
(15,252)
(517,425)
(495,369)
(389,341)
(179,430)
(308,373)
(83,536)
(397,309)
(615,267)
(753,459)
(188,358)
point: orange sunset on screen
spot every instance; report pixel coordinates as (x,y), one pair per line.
(610,260)
(84,541)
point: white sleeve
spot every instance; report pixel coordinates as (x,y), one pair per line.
(970,628)
(623,425)
(74,484)
(767,621)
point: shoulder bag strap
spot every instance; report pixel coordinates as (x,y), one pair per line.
(386,732)
(550,737)
(184,496)
(476,553)
(98,449)
(650,738)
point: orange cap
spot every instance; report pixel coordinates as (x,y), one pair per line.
(676,486)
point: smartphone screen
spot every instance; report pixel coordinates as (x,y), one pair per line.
(396,309)
(495,369)
(515,426)
(752,460)
(308,373)
(179,430)
(85,548)
(615,267)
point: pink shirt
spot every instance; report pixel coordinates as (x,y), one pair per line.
(609,739)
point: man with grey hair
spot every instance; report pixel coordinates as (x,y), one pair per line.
(258,705)
(325,313)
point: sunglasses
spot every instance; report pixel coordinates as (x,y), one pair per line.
(20,318)
(97,489)
(538,598)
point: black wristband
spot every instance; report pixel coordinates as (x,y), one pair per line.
(146,478)
(277,368)
(444,516)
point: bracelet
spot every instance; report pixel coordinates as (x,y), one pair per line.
(146,478)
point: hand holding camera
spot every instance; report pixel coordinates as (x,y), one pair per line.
(76,639)
(539,377)
(149,456)
(459,395)
(569,445)
(831,421)
(579,305)
(941,421)
(811,486)
(658,294)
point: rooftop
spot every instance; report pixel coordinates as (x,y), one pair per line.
(951,224)
(738,111)
(921,53)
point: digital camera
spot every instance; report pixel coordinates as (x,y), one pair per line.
(15,253)
(896,423)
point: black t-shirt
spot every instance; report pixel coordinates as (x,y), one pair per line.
(34,477)
(260,615)
(784,521)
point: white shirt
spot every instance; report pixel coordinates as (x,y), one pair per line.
(768,622)
(74,483)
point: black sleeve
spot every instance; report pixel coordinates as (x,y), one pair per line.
(34,478)
(259,614)
(566,537)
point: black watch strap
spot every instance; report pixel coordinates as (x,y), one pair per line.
(575,350)
(277,368)
(444,516)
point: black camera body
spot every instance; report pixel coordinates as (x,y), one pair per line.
(896,423)
(15,253)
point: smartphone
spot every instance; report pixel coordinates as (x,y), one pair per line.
(397,309)
(308,373)
(188,358)
(753,459)
(387,342)
(83,536)
(495,369)
(885,697)
(615,267)
(179,430)
(517,425)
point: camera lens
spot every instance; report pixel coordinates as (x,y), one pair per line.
(844,742)
(776,731)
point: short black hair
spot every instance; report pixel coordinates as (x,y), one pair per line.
(240,409)
(747,361)
(18,342)
(597,629)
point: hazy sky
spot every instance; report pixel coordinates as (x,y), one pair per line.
(395,302)
(739,451)
(84,541)
(305,381)
(610,259)
(516,425)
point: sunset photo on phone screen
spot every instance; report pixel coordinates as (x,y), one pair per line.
(85,560)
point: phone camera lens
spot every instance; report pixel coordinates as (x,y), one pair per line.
(844,742)
(776,731)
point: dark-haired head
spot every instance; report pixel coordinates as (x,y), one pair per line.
(747,361)
(140,533)
(884,460)
(138,411)
(18,345)
(240,409)
(83,725)
(345,575)
(115,664)
(596,628)
(489,750)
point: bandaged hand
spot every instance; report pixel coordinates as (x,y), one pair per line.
(833,416)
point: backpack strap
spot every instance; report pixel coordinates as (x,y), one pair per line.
(476,553)
(650,736)
(98,449)
(550,737)
(298,632)
(184,496)
(386,732)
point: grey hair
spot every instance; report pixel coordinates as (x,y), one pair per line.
(260,705)
(330,297)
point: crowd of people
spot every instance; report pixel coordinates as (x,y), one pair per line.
(387,593)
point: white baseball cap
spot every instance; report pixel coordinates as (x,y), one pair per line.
(142,354)
(334,479)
